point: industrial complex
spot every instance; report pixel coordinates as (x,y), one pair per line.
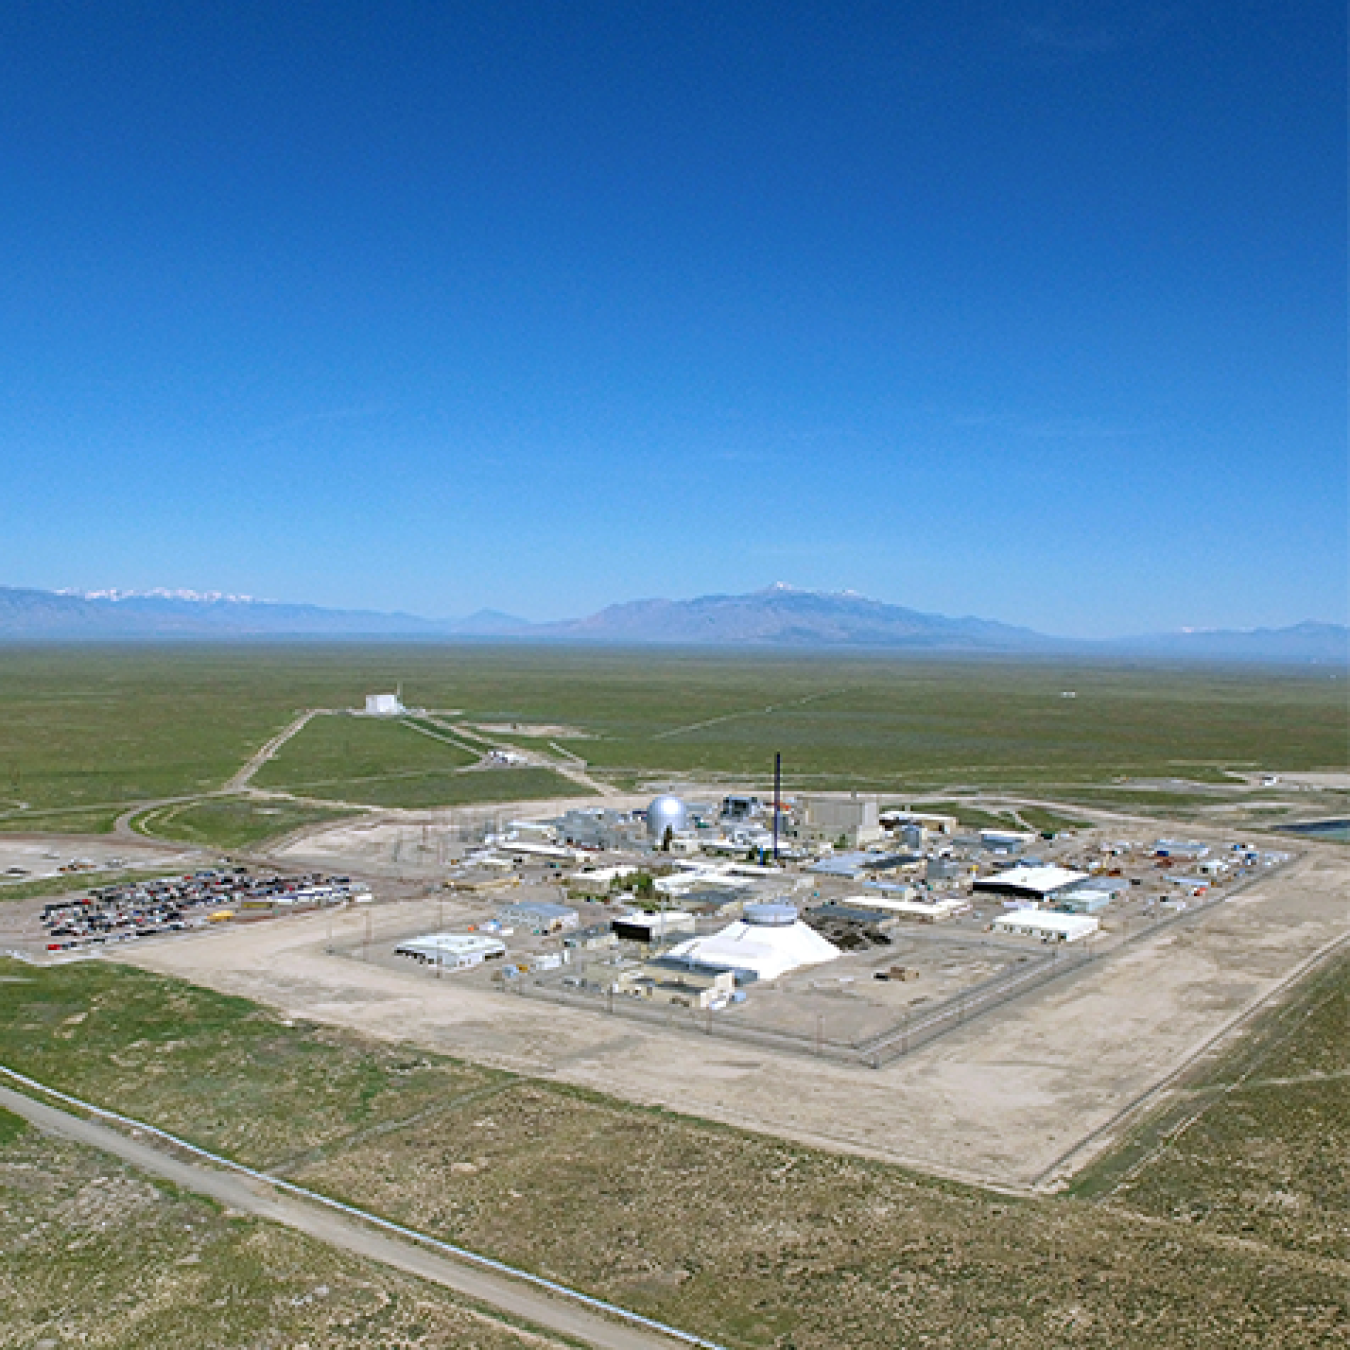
(828,924)
(750,936)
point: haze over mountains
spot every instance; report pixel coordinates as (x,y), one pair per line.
(780,616)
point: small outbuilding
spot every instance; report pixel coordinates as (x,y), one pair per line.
(538,916)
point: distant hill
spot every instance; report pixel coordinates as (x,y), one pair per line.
(47,615)
(1307,641)
(785,617)
(780,616)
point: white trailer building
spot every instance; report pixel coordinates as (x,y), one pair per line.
(1047,925)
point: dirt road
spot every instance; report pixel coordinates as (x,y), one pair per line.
(255,1197)
(244,777)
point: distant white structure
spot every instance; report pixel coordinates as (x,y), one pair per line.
(384,705)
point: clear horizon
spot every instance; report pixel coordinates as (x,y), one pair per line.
(1037,315)
(169,593)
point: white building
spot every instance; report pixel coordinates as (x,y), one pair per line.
(452,951)
(1031,883)
(769,941)
(1047,925)
(925,911)
(384,705)
(644,927)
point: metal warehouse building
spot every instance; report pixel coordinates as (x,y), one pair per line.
(538,916)
(1030,883)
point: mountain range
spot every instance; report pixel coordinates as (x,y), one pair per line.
(780,616)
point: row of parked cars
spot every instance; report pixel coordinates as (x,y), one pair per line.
(171,904)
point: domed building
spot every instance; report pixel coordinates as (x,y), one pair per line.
(666,813)
(769,940)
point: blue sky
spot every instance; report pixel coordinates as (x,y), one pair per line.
(1034,311)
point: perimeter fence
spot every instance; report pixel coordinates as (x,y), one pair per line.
(916,1028)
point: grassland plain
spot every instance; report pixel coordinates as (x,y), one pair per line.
(751,1240)
(333,751)
(94,1254)
(232,822)
(75,884)
(1038,818)
(1258,1145)
(92,728)
(99,821)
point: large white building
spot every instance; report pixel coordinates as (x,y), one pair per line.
(769,941)
(384,705)
(1047,925)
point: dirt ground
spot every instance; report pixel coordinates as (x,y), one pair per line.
(420,843)
(1004,1101)
(39,857)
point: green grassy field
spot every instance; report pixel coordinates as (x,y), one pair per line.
(1038,818)
(100,821)
(231,822)
(759,1243)
(87,730)
(94,1254)
(1258,1145)
(331,751)
(75,884)
(414,791)
(970,816)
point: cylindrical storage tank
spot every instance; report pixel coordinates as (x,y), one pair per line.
(666,813)
(771,914)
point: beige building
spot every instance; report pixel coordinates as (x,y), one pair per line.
(827,820)
(679,981)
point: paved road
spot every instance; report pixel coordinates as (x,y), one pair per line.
(257,1198)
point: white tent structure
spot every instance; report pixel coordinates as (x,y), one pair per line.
(770,941)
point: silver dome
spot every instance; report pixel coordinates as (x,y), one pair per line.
(666,813)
